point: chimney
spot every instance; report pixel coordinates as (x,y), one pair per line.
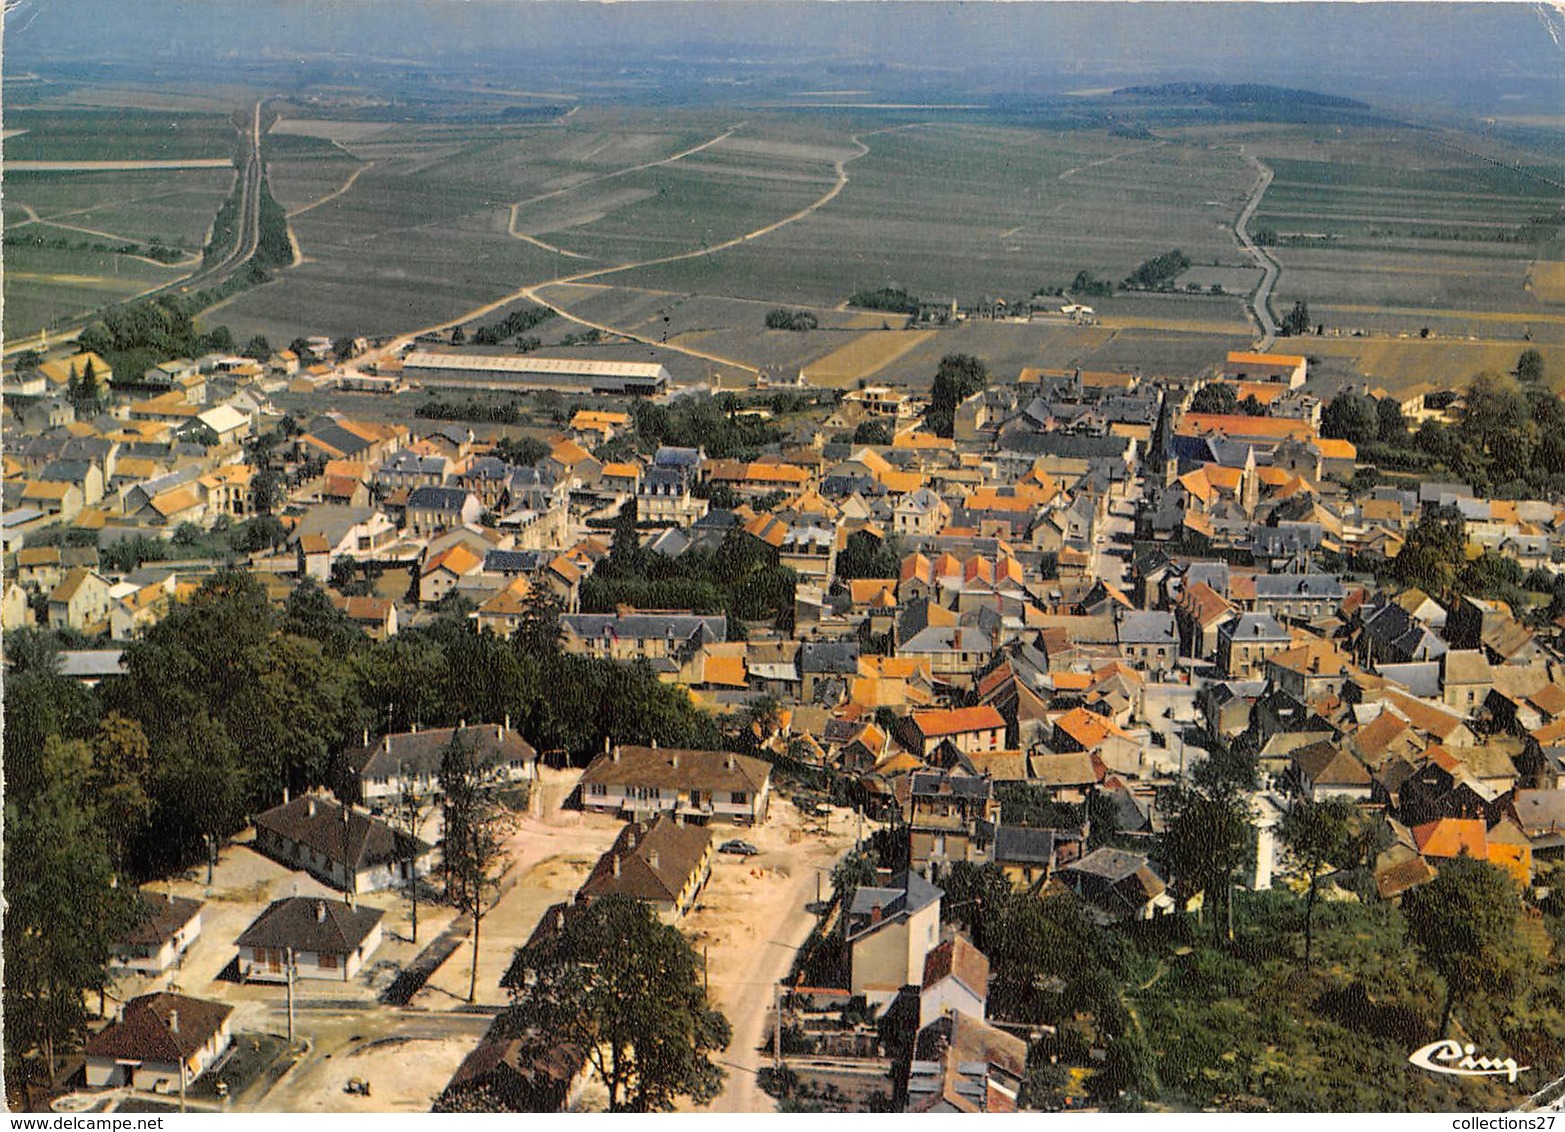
(415,727)
(309,808)
(173,1021)
(614,755)
(366,736)
(652,860)
(285,793)
(320,911)
(673,760)
(654,744)
(462,726)
(559,919)
(875,914)
(728,761)
(616,864)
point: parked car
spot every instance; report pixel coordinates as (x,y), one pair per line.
(738,848)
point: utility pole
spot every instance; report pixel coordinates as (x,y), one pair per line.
(777,1029)
(289,967)
(179,1051)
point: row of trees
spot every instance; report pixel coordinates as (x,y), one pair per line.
(1510,440)
(223,705)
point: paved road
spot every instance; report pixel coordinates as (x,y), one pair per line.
(1260,303)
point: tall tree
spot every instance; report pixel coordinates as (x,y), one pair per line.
(63,911)
(408,816)
(626,989)
(472,843)
(1465,925)
(1210,836)
(1214,397)
(121,767)
(957,378)
(1320,837)
(1529,367)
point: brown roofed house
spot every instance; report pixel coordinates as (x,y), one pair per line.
(664,863)
(159,1043)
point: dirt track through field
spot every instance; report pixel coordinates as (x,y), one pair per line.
(334,194)
(533,292)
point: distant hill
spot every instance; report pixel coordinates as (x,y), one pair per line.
(1239,94)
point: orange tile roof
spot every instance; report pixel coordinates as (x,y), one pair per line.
(1087,728)
(955,721)
(1244,427)
(1450,837)
(727,670)
(862,591)
(1333,449)
(1247,357)
(458,559)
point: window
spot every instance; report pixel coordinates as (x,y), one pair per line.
(597,789)
(327,961)
(741,798)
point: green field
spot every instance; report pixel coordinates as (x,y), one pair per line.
(403,225)
(44,284)
(116,135)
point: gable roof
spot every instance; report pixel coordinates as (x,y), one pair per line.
(343,835)
(419,752)
(956,721)
(654,862)
(958,958)
(674,768)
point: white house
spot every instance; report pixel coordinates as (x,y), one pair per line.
(410,760)
(327,940)
(699,785)
(339,845)
(154,1038)
(164,931)
(891,931)
(956,981)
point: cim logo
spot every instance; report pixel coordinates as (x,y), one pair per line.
(1454,1059)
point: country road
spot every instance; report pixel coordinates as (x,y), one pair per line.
(532,292)
(1260,305)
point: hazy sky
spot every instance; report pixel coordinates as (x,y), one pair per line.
(1443,52)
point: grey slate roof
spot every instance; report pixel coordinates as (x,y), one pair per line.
(419,752)
(829,656)
(1283,586)
(1154,627)
(907,894)
(437,498)
(1021,844)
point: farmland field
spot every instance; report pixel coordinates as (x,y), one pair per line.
(171,207)
(1407,219)
(42,284)
(865,356)
(961,210)
(117,135)
(404,225)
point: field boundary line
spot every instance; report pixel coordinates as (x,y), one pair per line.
(531,292)
(333,195)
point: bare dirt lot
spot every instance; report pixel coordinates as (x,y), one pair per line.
(750,923)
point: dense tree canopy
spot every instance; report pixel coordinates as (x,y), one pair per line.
(625,989)
(957,378)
